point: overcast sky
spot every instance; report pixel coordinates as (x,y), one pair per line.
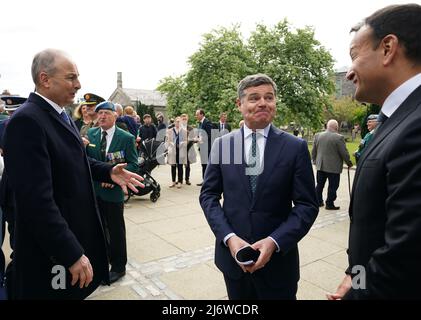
(149,40)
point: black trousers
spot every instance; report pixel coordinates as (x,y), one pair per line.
(187,170)
(203,170)
(115,229)
(334,179)
(250,287)
(177,169)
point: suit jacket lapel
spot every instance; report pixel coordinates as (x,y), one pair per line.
(241,168)
(404,110)
(39,101)
(274,145)
(114,141)
(97,142)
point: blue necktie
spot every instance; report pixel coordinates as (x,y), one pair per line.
(65,117)
(253,168)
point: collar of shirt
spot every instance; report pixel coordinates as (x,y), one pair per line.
(201,121)
(264,132)
(52,103)
(110,135)
(399,95)
(261,136)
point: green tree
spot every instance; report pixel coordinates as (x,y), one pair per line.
(142,109)
(216,68)
(345,110)
(178,97)
(301,68)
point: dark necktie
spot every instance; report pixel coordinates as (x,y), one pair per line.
(177,137)
(103,145)
(382,118)
(253,168)
(65,117)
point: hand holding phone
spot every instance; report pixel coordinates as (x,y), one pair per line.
(247,255)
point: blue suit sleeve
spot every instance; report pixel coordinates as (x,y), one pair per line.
(305,209)
(210,196)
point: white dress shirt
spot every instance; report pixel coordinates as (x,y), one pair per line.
(53,104)
(399,95)
(109,137)
(261,137)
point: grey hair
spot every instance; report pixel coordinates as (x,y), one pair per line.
(118,106)
(255,80)
(45,61)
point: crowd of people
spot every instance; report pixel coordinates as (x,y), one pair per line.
(53,164)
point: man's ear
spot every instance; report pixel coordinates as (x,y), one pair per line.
(390,46)
(44,80)
(238,103)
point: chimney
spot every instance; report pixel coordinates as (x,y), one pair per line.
(119,80)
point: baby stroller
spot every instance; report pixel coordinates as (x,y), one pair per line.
(151,154)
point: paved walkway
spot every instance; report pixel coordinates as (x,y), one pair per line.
(170,248)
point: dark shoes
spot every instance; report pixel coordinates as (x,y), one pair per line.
(188,182)
(321,204)
(114,276)
(332,207)
(199,184)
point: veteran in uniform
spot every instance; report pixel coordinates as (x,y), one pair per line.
(11,103)
(113,145)
(371,126)
(91,101)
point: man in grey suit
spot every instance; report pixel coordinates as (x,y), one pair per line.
(328,154)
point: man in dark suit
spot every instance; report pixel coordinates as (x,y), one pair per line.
(7,200)
(113,145)
(259,194)
(385,232)
(205,139)
(223,126)
(329,153)
(3,292)
(59,247)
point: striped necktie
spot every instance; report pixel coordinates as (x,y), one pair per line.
(103,145)
(253,169)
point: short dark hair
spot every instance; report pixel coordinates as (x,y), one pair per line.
(404,21)
(201,112)
(254,80)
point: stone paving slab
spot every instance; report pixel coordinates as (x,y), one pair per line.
(171,248)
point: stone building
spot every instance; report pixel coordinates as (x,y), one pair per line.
(344,87)
(125,97)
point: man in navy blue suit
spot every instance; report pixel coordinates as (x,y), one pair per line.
(6,196)
(261,173)
(58,230)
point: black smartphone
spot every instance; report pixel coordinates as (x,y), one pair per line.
(247,255)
